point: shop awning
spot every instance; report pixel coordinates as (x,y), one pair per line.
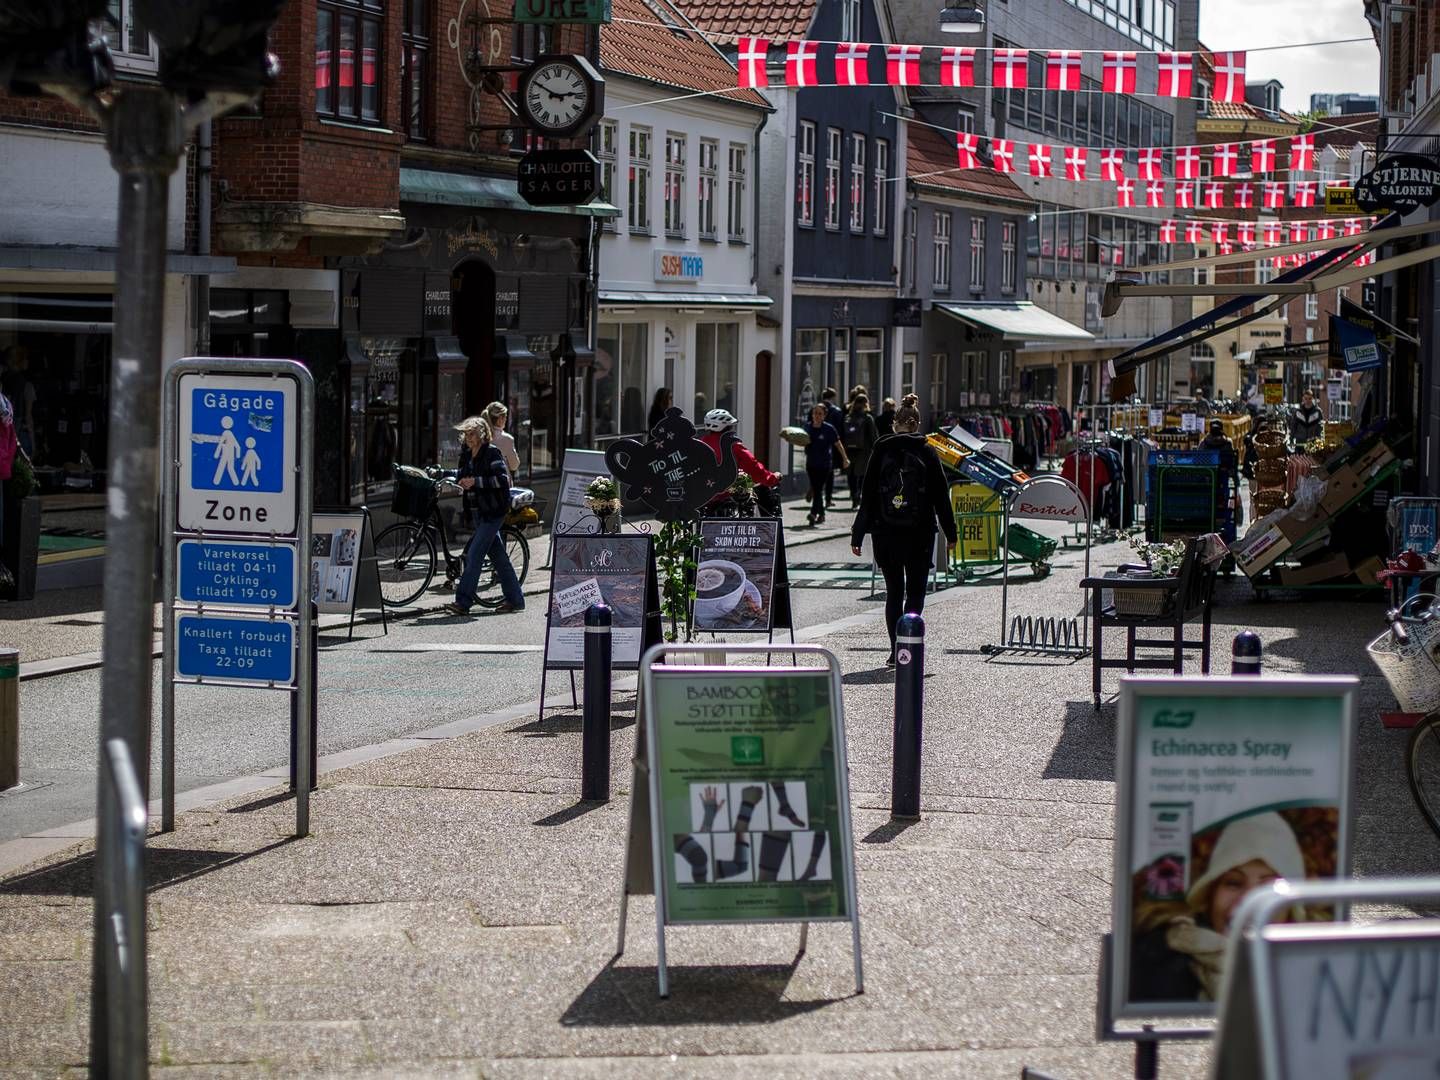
(679,299)
(444,350)
(483,192)
(512,347)
(102,260)
(1016,320)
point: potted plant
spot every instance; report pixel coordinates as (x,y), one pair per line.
(742,490)
(20,546)
(602,497)
(1163,559)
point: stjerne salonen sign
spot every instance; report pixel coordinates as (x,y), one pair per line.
(1403,183)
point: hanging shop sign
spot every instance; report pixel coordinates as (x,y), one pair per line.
(906,312)
(740,583)
(558,177)
(673,473)
(552,12)
(1341,200)
(1402,183)
(1357,345)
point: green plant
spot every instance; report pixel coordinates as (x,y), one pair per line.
(675,559)
(742,488)
(21,484)
(602,488)
(1164,558)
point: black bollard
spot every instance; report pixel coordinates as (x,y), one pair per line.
(314,646)
(595,733)
(909,708)
(1245,653)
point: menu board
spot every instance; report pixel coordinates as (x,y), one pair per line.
(616,570)
(735,579)
(578,468)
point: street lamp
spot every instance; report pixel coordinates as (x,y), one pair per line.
(962,17)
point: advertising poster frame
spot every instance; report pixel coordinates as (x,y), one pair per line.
(571,514)
(778,614)
(362,587)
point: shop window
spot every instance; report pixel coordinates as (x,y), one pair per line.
(130,42)
(840,364)
(1009,231)
(857,182)
(705,187)
(834,145)
(675,185)
(908,363)
(977,253)
(942,250)
(736,203)
(882,186)
(637,199)
(607,137)
(805,174)
(348,59)
(1202,369)
(415,69)
(622,356)
(849,20)
(811,348)
(1007,370)
(869,362)
(717,368)
(938,363)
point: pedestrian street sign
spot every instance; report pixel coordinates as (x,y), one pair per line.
(235,649)
(237,574)
(237,453)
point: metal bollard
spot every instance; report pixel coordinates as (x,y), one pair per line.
(9,718)
(595,731)
(1245,653)
(909,708)
(314,712)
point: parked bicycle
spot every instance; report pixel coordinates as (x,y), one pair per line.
(408,553)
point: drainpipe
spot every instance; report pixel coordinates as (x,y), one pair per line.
(755,210)
(203,169)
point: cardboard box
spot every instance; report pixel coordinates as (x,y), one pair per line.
(1368,464)
(1367,570)
(1332,566)
(1296,529)
(1261,549)
(1342,486)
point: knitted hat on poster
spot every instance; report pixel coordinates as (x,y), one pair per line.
(1267,837)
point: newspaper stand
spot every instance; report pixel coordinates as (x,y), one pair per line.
(1048,497)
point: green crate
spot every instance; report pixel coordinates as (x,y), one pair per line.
(1029,544)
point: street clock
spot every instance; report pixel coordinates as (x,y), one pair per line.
(561,96)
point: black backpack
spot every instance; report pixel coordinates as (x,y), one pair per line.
(903,498)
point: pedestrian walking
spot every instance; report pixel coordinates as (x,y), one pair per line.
(885,419)
(1307,423)
(836,419)
(485,480)
(498,416)
(860,439)
(820,455)
(661,404)
(903,499)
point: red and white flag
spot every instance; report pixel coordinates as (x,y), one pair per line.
(1009,68)
(1118,70)
(1274,195)
(1354,226)
(1224,158)
(1262,156)
(1176,71)
(1194,232)
(1154,192)
(1299,233)
(902,65)
(1244,196)
(1272,233)
(1230,77)
(1151,162)
(1167,232)
(1040,160)
(800,63)
(1112,164)
(1184,196)
(1219,231)
(754,52)
(1187,163)
(1125,192)
(1304,193)
(1002,153)
(1302,153)
(1062,69)
(1326,231)
(966,144)
(1245,232)
(1214,194)
(852,64)
(1076,157)
(1224,247)
(957,66)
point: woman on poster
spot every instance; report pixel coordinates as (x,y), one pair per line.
(483,477)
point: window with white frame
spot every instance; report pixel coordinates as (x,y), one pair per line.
(1009,255)
(882,186)
(938,363)
(1007,370)
(912,225)
(622,355)
(637,196)
(1312,306)
(857,182)
(965,121)
(736,181)
(849,20)
(977,253)
(717,367)
(908,363)
(705,183)
(834,145)
(811,348)
(674,185)
(130,42)
(941,249)
(607,140)
(805,174)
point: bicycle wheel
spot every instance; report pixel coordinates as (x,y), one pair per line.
(1422,760)
(405,557)
(518,549)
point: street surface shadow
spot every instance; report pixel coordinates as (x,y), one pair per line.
(699,994)
(570,813)
(566,724)
(883,834)
(163,867)
(1086,750)
(262,803)
(868,678)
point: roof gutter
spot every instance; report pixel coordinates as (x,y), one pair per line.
(755,206)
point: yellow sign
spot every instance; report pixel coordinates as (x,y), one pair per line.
(1341,200)
(977,521)
(1274,391)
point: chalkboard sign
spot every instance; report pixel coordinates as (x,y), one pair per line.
(740,583)
(674,474)
(344,574)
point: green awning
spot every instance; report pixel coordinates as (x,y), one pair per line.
(483,192)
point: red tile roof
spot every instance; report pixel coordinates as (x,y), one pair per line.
(930,162)
(1231,110)
(729,19)
(637,44)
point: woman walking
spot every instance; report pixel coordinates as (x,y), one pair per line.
(861,436)
(903,499)
(820,454)
(486,482)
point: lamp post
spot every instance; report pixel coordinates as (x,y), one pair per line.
(962,17)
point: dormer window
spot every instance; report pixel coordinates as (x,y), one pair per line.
(1272,98)
(1202,96)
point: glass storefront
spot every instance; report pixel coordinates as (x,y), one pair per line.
(869,363)
(622,388)
(717,367)
(811,347)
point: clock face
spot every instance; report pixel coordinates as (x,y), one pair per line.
(556,96)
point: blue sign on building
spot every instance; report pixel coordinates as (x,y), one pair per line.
(259,575)
(256,650)
(237,439)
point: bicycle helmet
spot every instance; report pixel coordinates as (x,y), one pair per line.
(718,420)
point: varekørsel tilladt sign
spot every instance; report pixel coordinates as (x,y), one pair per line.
(1405,182)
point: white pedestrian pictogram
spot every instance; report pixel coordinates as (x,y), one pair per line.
(250,465)
(227,450)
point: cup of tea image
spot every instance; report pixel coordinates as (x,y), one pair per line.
(719,585)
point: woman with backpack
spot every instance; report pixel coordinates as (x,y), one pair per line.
(902,500)
(861,436)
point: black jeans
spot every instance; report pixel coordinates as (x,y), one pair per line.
(904,557)
(818,478)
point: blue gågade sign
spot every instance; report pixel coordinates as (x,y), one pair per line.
(251,575)
(237,439)
(234,648)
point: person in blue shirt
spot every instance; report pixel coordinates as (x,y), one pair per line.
(836,417)
(821,453)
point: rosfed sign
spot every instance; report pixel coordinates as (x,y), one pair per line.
(1404,183)
(592,12)
(559,177)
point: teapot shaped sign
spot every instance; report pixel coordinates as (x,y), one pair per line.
(674,473)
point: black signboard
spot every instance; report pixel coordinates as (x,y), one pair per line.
(1404,183)
(559,177)
(906,312)
(437,304)
(1370,296)
(673,473)
(507,302)
(615,570)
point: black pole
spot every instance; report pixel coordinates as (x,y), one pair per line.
(909,707)
(314,646)
(595,731)
(1245,653)
(1147,1056)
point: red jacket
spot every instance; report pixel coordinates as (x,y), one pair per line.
(747,462)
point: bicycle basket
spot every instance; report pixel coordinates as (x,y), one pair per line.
(1411,669)
(414,495)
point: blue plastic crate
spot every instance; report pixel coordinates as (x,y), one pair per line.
(1184,457)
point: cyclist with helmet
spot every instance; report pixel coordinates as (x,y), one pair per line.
(716,423)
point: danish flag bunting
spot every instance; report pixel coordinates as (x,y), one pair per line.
(1184,196)
(1224,158)
(1151,163)
(1118,70)
(1167,232)
(800,63)
(1326,231)
(852,64)
(1272,233)
(1302,153)
(1304,193)
(1244,196)
(1112,164)
(1040,160)
(1062,69)
(902,65)
(1194,232)
(1009,68)
(754,52)
(1354,226)
(1219,232)
(1299,233)
(957,67)
(1262,156)
(1002,153)
(1245,232)
(1187,163)
(1176,72)
(1125,192)
(1230,77)
(1274,195)
(1224,247)
(966,144)
(1214,194)
(1076,158)
(1154,192)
